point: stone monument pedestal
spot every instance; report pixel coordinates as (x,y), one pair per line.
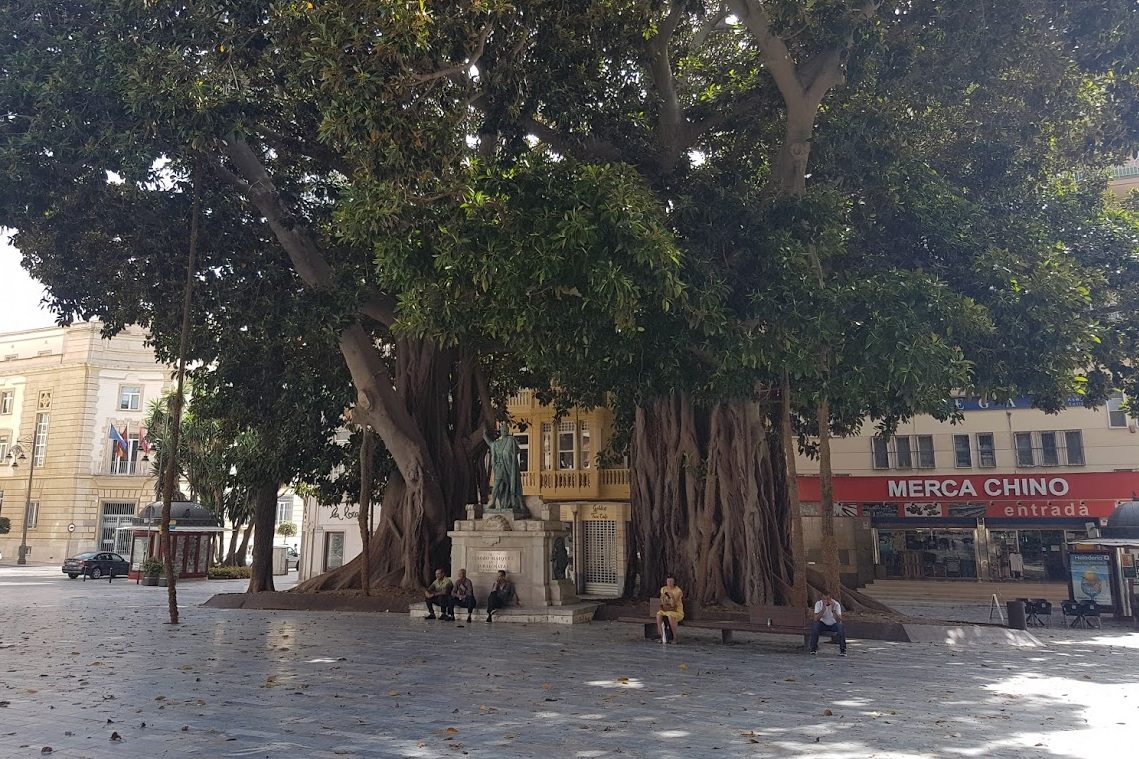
(527,548)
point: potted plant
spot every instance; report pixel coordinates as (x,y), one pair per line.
(151,570)
(5,525)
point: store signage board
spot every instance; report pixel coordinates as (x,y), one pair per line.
(1090,578)
(1020,402)
(1036,495)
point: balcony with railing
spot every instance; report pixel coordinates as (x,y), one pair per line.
(128,467)
(1129,169)
(523,399)
(572,484)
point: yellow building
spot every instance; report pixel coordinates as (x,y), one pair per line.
(562,476)
(61,390)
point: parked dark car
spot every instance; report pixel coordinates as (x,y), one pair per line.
(96,564)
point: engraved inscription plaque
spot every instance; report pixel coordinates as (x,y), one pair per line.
(490,562)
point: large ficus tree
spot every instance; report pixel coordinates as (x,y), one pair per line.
(705,210)
(337,128)
(864,196)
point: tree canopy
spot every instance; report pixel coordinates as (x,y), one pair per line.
(679,205)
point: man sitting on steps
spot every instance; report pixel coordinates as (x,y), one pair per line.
(464,595)
(828,618)
(501,594)
(439,592)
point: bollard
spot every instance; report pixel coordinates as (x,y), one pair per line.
(1016,618)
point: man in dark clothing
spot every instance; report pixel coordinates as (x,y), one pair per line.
(439,592)
(501,594)
(464,594)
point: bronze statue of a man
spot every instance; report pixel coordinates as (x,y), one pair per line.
(506,494)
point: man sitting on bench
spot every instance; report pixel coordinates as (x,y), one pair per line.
(828,618)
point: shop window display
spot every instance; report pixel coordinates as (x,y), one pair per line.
(1041,553)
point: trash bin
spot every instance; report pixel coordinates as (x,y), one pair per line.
(1016,618)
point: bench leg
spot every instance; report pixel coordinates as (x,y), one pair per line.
(650,630)
(726,636)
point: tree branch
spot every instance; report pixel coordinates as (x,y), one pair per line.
(745,106)
(823,71)
(457,68)
(380,307)
(714,23)
(286,143)
(302,251)
(772,49)
(583,148)
(670,122)
(229,177)
(378,403)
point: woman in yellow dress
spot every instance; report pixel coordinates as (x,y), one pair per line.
(671,606)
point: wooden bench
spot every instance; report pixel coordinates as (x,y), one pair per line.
(770,620)
(650,622)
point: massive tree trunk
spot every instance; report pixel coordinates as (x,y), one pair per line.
(708,503)
(423,407)
(264,519)
(442,391)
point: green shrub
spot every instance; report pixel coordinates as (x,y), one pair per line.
(226,572)
(151,567)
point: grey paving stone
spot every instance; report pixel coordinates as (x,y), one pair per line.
(273,684)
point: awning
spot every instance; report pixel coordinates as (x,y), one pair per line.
(1107,542)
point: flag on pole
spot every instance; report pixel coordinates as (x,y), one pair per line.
(120,442)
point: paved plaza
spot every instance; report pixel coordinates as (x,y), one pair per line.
(90,670)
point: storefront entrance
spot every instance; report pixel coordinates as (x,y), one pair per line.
(600,560)
(1042,553)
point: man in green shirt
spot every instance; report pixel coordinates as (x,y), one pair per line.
(439,592)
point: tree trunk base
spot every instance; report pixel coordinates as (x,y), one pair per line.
(708,507)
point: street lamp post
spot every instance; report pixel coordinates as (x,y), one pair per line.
(16,455)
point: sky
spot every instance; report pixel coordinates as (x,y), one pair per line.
(20,295)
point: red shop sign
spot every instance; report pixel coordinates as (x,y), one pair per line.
(1044,494)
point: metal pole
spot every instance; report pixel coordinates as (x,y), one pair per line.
(22,559)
